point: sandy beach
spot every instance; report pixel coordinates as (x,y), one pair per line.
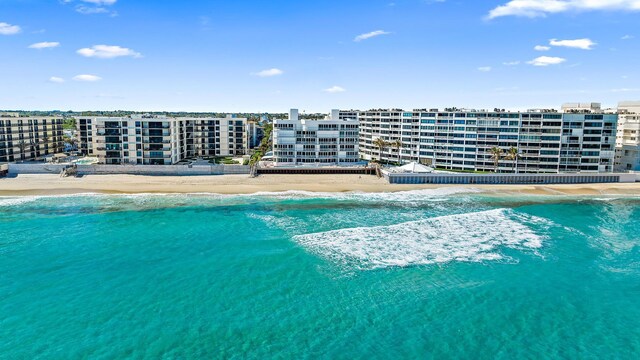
(241,184)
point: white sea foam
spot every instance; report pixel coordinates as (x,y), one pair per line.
(290,194)
(471,237)
(19,200)
(400,197)
(13,201)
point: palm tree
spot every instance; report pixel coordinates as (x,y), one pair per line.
(496,155)
(380,144)
(45,140)
(513,155)
(34,148)
(22,145)
(72,141)
(397,144)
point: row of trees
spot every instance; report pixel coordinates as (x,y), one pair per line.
(23,145)
(265,145)
(498,154)
(381,144)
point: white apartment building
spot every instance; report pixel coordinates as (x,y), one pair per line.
(332,141)
(159,140)
(628,138)
(256,133)
(456,139)
(29,138)
(582,107)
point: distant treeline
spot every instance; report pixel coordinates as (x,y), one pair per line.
(123,113)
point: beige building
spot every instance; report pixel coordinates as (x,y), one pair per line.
(160,140)
(628,137)
(29,138)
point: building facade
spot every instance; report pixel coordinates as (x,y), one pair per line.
(256,133)
(159,140)
(547,141)
(29,138)
(628,139)
(333,141)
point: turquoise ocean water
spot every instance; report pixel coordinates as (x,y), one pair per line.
(424,274)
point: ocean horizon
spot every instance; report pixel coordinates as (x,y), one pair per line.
(441,273)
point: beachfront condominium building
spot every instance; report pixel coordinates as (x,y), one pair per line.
(29,138)
(628,139)
(547,141)
(255,132)
(160,140)
(332,141)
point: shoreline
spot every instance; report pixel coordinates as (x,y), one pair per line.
(30,185)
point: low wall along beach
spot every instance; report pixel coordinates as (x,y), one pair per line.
(152,170)
(516,179)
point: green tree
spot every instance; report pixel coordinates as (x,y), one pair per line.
(397,144)
(380,144)
(69,124)
(22,145)
(513,155)
(496,155)
(45,140)
(265,145)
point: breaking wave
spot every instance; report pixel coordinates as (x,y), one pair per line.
(471,237)
(403,198)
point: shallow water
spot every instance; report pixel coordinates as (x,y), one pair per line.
(429,274)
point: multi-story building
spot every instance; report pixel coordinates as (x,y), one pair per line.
(211,137)
(547,141)
(29,138)
(628,139)
(582,107)
(256,133)
(159,140)
(332,141)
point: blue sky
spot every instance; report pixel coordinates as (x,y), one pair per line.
(257,55)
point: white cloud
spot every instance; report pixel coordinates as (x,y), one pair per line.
(86,77)
(86,10)
(533,8)
(100,2)
(108,52)
(584,44)
(44,45)
(627,37)
(55,79)
(541,48)
(269,72)
(8,29)
(370,35)
(88,7)
(546,61)
(624,90)
(511,63)
(484,68)
(335,89)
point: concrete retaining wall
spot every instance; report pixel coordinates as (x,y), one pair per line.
(152,170)
(318,170)
(15,169)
